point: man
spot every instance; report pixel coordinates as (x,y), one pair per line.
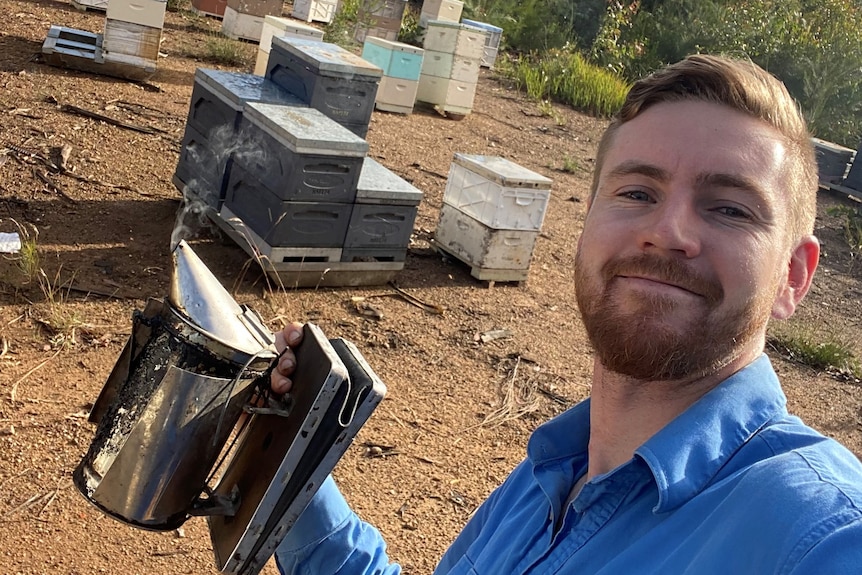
(684,459)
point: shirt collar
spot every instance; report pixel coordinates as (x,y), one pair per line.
(689,451)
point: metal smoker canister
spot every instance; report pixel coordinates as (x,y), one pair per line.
(172,400)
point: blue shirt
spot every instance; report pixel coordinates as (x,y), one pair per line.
(732,485)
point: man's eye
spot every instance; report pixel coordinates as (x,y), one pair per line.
(733,212)
(638,195)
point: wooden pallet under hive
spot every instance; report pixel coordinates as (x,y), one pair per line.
(313,271)
(81,50)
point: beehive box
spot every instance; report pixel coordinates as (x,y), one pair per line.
(380,185)
(446,65)
(833,160)
(492,41)
(284,27)
(448,10)
(380,226)
(101,5)
(131,43)
(396,95)
(209,7)
(328,78)
(455,38)
(219,97)
(260,8)
(497,192)
(314,10)
(299,154)
(283,223)
(149,13)
(501,255)
(237,25)
(395,59)
(449,95)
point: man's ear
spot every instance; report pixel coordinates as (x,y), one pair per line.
(800,272)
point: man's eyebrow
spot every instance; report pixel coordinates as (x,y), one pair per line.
(723,180)
(632,167)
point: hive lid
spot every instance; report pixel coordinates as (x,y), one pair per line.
(283,23)
(482,25)
(327,59)
(394,46)
(376,182)
(305,130)
(446,24)
(237,88)
(502,171)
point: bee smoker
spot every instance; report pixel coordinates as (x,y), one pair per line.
(172,400)
(193,377)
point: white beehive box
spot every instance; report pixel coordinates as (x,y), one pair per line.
(447,94)
(445,65)
(90,4)
(396,95)
(283,28)
(314,10)
(144,12)
(238,25)
(497,192)
(455,38)
(502,255)
(449,10)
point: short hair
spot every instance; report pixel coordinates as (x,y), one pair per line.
(742,86)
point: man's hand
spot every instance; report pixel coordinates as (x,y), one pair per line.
(290,336)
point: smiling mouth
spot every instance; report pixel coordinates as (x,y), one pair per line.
(660,282)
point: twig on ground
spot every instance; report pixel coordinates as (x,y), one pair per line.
(70,109)
(14,390)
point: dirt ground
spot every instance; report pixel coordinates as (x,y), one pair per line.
(447,432)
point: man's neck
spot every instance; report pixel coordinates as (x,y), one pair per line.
(625,413)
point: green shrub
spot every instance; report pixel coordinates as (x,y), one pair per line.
(226,51)
(342,28)
(566,77)
(817,350)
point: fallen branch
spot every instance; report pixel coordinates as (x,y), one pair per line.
(51,185)
(68,108)
(411,299)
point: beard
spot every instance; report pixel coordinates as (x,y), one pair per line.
(636,338)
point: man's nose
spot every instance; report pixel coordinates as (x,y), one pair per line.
(673,226)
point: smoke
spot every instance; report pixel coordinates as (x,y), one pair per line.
(210,161)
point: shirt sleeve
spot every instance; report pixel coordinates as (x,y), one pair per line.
(328,538)
(838,553)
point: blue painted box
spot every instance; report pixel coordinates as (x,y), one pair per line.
(397,60)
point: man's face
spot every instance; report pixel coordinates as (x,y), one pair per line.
(684,250)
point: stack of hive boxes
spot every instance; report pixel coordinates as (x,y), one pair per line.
(491,215)
(328,78)
(286,27)
(315,10)
(243,19)
(298,188)
(133,32)
(448,10)
(214,8)
(212,129)
(379,19)
(492,41)
(402,66)
(450,68)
